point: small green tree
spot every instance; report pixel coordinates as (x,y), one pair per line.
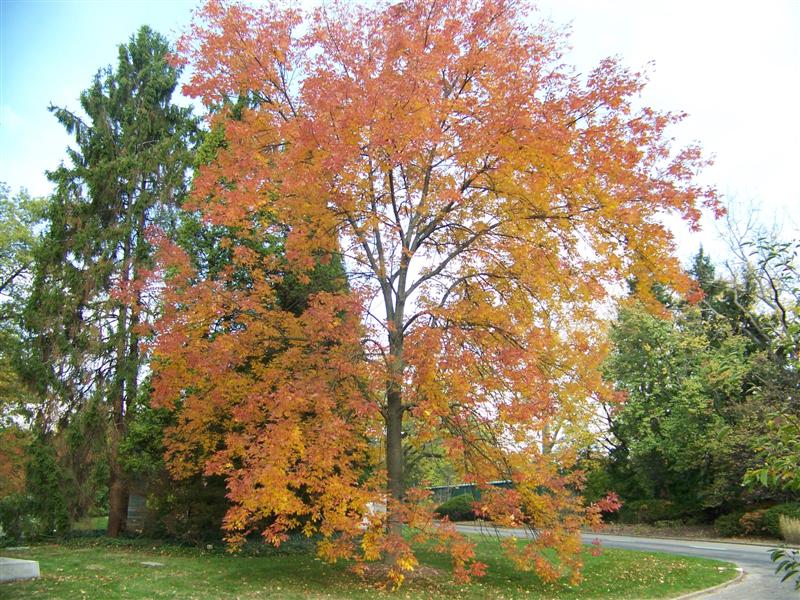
(20,217)
(677,429)
(776,265)
(713,390)
(45,489)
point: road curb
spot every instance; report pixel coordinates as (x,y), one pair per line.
(774,544)
(739,542)
(716,588)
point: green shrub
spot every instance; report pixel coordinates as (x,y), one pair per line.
(730,525)
(15,519)
(772,517)
(190,511)
(598,482)
(650,511)
(458,508)
(47,503)
(22,519)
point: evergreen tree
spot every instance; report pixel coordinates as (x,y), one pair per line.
(126,172)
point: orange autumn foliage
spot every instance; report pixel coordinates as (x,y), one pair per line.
(486,202)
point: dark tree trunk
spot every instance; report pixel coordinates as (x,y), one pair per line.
(395,460)
(118,487)
(117,502)
(394,445)
(395,408)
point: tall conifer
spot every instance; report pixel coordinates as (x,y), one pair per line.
(126,170)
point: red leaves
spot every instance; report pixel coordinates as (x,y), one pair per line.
(238,45)
(611,503)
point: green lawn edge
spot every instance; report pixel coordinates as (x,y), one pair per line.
(101,569)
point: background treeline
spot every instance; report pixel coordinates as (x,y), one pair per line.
(710,386)
(705,429)
(711,391)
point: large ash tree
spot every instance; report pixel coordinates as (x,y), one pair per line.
(484,199)
(89,307)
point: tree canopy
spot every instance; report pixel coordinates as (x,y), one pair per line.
(485,202)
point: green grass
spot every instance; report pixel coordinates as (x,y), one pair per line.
(91,524)
(103,568)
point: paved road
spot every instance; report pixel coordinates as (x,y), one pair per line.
(759,583)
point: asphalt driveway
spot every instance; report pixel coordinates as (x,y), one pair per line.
(759,582)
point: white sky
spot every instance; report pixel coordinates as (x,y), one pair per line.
(734,66)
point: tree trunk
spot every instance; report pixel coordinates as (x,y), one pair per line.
(119,493)
(394,447)
(117,501)
(118,486)
(395,464)
(395,458)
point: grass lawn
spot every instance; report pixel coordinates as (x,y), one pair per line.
(91,524)
(100,568)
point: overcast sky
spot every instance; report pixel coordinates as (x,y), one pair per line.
(734,66)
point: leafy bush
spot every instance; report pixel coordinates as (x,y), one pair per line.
(47,504)
(24,518)
(598,482)
(753,523)
(458,508)
(15,518)
(190,511)
(667,524)
(650,511)
(730,525)
(41,508)
(772,516)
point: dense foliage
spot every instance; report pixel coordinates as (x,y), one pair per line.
(711,394)
(484,203)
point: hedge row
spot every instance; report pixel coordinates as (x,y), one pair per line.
(757,522)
